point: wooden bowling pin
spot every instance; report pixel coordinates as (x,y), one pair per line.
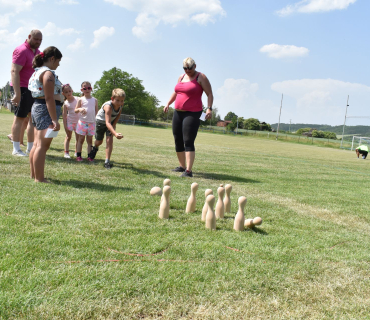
(249,223)
(239,218)
(191,205)
(166,182)
(205,207)
(220,208)
(257,221)
(156,191)
(227,201)
(210,217)
(164,208)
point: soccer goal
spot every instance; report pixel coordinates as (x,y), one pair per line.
(358,141)
(127,119)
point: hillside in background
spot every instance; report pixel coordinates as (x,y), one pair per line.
(363,131)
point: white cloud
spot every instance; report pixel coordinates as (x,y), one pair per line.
(310,6)
(279,51)
(51,30)
(67,2)
(152,12)
(240,97)
(13,38)
(5,19)
(323,101)
(77,45)
(100,35)
(16,5)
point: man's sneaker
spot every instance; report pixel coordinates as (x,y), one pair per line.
(187,173)
(79,159)
(108,165)
(178,169)
(19,153)
(90,160)
(67,156)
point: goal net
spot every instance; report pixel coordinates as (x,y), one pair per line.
(127,119)
(358,141)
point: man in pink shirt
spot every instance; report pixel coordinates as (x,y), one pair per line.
(21,72)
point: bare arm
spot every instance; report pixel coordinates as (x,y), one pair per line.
(112,127)
(65,118)
(14,72)
(206,85)
(79,109)
(96,107)
(48,81)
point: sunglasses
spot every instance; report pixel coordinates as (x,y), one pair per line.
(65,85)
(188,68)
(87,88)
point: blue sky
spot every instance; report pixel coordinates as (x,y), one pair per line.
(315,52)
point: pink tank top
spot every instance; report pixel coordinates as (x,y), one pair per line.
(89,106)
(72,116)
(189,95)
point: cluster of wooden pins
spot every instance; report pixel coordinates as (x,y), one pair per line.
(209,214)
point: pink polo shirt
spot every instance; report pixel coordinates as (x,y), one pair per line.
(23,56)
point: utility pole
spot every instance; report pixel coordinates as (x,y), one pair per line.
(281,105)
(237,124)
(345,118)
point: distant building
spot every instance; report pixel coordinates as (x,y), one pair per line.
(223,123)
(308,133)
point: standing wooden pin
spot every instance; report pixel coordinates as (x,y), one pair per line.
(205,207)
(164,208)
(210,217)
(191,205)
(166,182)
(239,218)
(220,208)
(227,201)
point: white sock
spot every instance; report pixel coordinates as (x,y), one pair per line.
(16,146)
(106,160)
(29,146)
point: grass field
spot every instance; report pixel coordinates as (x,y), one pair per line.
(64,245)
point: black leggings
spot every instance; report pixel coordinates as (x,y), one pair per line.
(185,127)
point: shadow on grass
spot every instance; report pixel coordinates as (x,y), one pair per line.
(224,177)
(100,164)
(89,185)
(260,231)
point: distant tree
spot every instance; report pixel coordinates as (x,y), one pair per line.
(230,116)
(265,126)
(138,102)
(240,122)
(161,116)
(302,130)
(231,126)
(252,124)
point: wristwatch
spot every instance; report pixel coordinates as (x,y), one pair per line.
(210,108)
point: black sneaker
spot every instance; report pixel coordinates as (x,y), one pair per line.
(93,152)
(187,173)
(108,165)
(178,169)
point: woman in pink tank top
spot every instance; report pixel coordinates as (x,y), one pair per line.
(188,109)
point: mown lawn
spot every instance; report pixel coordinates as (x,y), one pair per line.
(63,246)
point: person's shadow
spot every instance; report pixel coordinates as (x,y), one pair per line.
(224,177)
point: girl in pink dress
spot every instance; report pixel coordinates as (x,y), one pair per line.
(70,118)
(87,107)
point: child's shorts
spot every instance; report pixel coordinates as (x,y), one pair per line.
(101,129)
(85,128)
(71,126)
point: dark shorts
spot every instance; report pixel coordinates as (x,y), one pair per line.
(24,107)
(364,153)
(40,115)
(101,129)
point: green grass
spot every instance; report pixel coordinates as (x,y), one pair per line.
(309,259)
